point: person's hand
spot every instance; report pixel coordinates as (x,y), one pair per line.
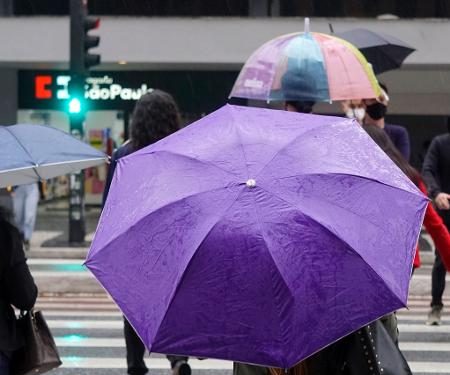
(442,201)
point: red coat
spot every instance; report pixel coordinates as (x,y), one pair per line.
(438,231)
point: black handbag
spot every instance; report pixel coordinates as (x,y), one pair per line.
(372,351)
(39,353)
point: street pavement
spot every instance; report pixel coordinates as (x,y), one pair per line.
(88,333)
(88,326)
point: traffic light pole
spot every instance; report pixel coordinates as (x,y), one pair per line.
(81,60)
(77,223)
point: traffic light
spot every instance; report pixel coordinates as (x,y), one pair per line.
(81,60)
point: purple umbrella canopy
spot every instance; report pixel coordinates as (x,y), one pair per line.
(257,236)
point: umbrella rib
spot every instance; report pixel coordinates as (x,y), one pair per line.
(183,273)
(274,262)
(291,142)
(204,162)
(353,175)
(156,210)
(26,151)
(335,235)
(240,141)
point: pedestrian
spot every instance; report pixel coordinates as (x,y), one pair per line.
(354,109)
(26,198)
(375,111)
(436,173)
(155,116)
(300,106)
(17,288)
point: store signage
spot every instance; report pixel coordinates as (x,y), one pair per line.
(96,88)
(196,92)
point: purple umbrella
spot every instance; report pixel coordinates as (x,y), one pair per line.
(257,236)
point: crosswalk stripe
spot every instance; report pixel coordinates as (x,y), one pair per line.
(95,342)
(430,367)
(103,337)
(81,313)
(152,363)
(81,341)
(85,324)
(423,328)
(425,346)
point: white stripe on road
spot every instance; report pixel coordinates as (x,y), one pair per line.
(212,364)
(71,274)
(77,306)
(425,346)
(423,328)
(81,341)
(430,367)
(118,324)
(86,324)
(82,313)
(33,261)
(88,342)
(421,317)
(152,363)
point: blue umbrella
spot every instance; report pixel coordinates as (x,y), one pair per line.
(30,153)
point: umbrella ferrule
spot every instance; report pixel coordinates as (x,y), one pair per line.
(251,183)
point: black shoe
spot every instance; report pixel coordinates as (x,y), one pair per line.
(182,368)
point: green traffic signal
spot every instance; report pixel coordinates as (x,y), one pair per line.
(74,105)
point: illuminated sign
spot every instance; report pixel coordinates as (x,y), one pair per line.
(196,92)
(96,88)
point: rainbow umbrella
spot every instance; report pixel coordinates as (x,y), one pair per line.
(306,66)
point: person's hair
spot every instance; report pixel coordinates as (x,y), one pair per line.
(301,106)
(384,142)
(155,116)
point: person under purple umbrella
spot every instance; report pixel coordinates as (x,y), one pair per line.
(155,116)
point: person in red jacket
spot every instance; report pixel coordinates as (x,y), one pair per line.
(432,221)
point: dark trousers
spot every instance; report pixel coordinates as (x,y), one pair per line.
(4,364)
(135,351)
(437,281)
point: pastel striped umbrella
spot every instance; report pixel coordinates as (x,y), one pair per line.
(306,66)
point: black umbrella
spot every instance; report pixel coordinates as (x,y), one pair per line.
(383,51)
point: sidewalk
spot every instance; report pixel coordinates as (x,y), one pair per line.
(50,238)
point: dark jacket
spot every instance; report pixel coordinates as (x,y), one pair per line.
(16,285)
(122,151)
(436,170)
(399,136)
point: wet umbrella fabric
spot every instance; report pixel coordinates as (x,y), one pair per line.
(385,52)
(257,236)
(306,66)
(29,153)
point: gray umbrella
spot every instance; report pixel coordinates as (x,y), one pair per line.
(31,153)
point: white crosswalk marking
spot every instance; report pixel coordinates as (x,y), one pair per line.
(88,332)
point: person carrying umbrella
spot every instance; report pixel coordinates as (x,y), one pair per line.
(155,116)
(376,111)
